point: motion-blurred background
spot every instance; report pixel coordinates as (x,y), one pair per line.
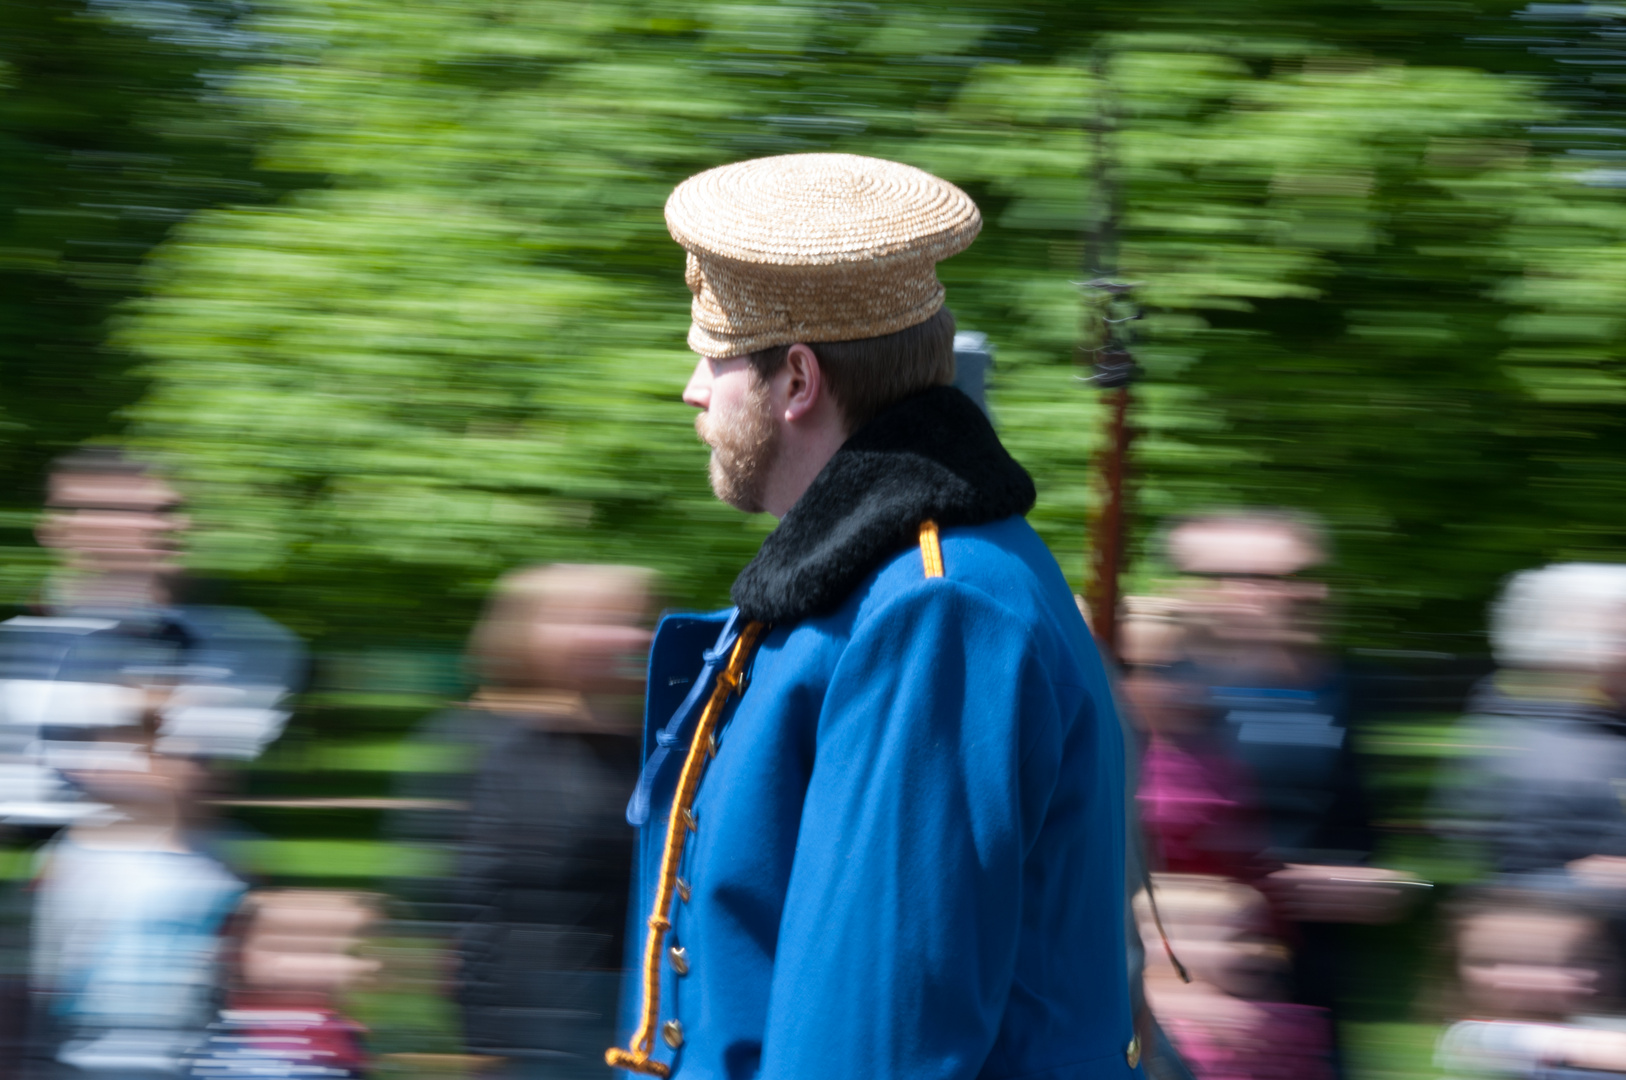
(385,293)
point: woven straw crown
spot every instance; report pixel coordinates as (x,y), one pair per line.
(814,247)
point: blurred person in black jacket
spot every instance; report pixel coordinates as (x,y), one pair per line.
(1271,699)
(543,870)
(1276,696)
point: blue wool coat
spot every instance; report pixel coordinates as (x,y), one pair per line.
(908,854)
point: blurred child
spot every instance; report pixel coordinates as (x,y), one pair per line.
(1537,973)
(127,916)
(294,958)
(1230,1021)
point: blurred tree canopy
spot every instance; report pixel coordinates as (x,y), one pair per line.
(112,130)
(413,316)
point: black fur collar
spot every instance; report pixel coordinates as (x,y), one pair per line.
(933,455)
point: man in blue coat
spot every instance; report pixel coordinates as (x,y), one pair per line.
(882,811)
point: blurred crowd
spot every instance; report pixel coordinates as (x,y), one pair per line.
(1260,840)
(152,952)
(148,951)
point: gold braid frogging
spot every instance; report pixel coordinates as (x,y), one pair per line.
(635,1057)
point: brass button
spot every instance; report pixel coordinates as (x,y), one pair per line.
(680,959)
(1131,1052)
(683,890)
(672,1033)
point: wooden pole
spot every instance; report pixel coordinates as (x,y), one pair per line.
(1111,525)
(1110,309)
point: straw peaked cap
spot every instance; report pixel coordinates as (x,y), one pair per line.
(814,247)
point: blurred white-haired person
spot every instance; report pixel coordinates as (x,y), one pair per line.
(1544,773)
(1566,620)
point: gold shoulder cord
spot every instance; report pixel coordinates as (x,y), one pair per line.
(931,549)
(635,1057)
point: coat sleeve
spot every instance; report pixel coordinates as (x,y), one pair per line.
(937,750)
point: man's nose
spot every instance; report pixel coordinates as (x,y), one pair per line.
(698,392)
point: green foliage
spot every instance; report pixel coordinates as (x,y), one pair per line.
(108,136)
(453,343)
(1346,264)
(465,352)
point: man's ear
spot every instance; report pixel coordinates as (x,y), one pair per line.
(804,385)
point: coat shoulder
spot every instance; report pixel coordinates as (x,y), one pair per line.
(1008,563)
